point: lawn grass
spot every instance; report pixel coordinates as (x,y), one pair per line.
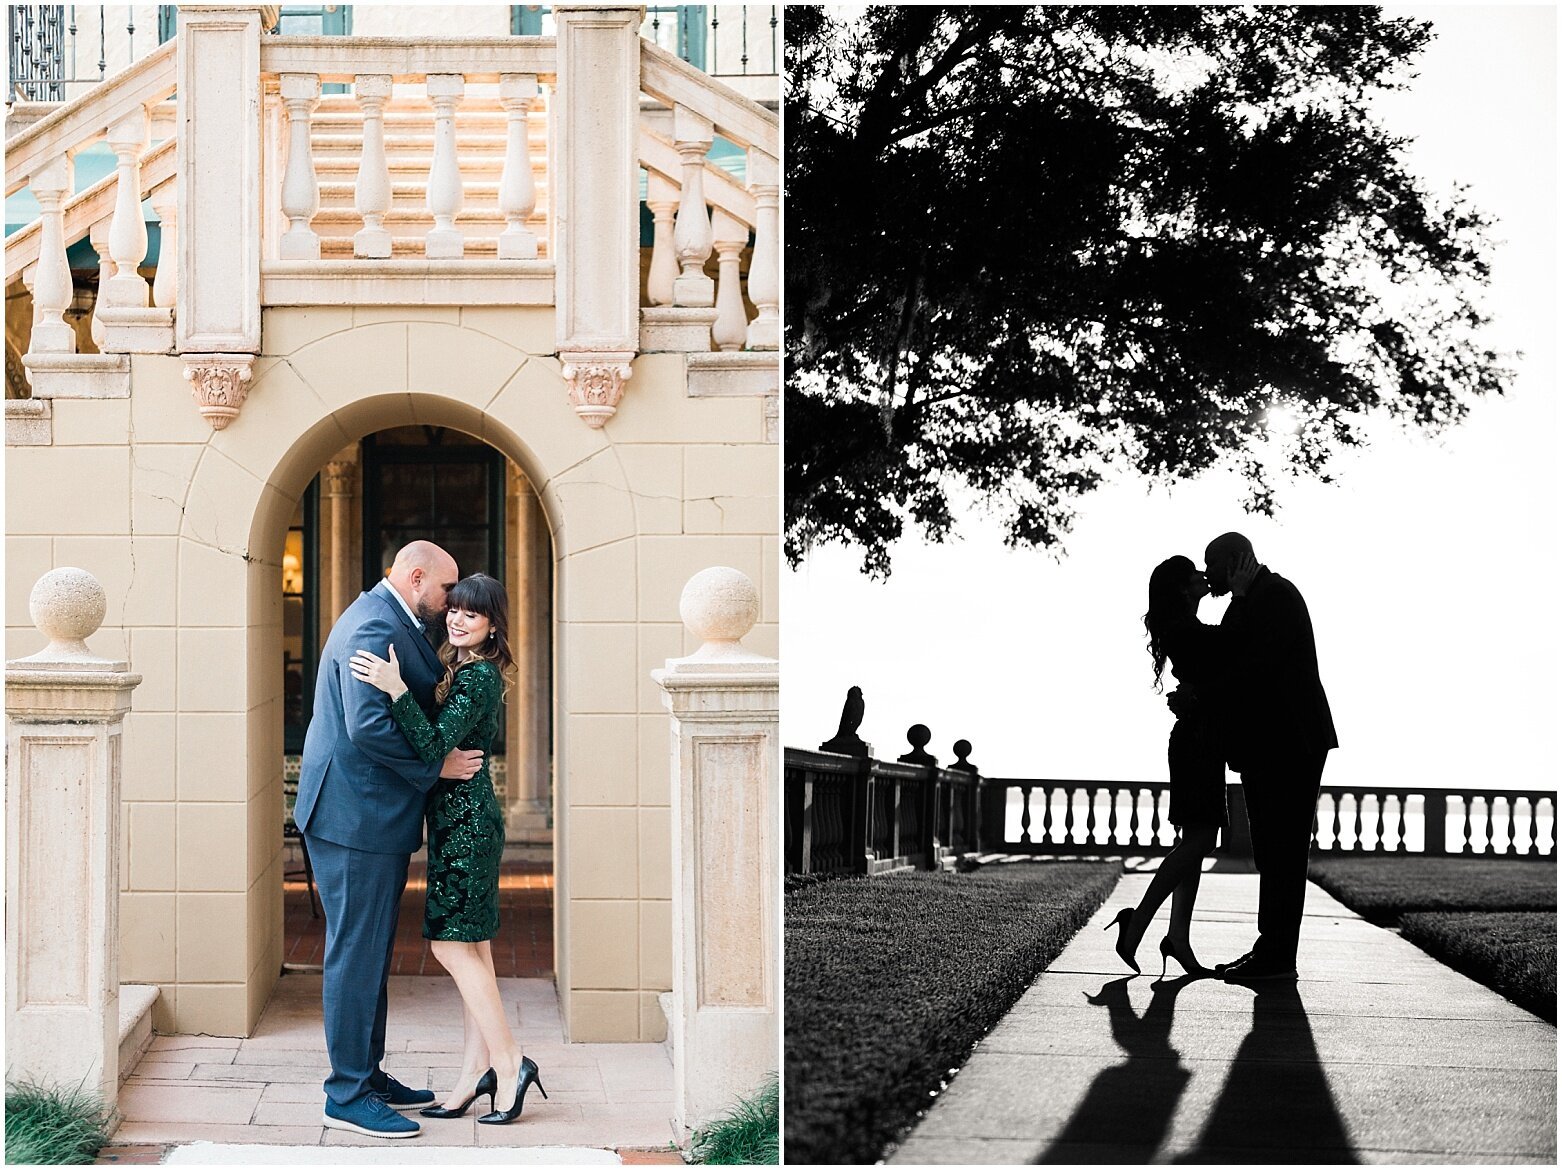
(1381,889)
(47,1126)
(1493,920)
(750,1135)
(1513,952)
(890,981)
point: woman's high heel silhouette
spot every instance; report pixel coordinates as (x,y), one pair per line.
(1124,923)
(487,1083)
(529,1076)
(1184,955)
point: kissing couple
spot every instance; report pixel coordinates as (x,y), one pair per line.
(396,742)
(1248,695)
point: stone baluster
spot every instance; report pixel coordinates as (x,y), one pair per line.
(65,710)
(517,185)
(52,288)
(764,273)
(372,191)
(444,240)
(731,325)
(98,234)
(165,285)
(662,199)
(692,234)
(300,188)
(726,820)
(127,289)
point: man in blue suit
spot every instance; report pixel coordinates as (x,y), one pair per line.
(361,796)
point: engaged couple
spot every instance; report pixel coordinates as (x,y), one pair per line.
(1248,696)
(394,742)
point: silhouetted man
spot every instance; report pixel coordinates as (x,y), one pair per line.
(1278,733)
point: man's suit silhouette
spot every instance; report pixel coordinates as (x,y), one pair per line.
(1278,732)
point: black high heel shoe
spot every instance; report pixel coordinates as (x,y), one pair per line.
(529,1077)
(1185,958)
(487,1083)
(1123,921)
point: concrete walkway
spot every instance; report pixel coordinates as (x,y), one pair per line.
(1378,1054)
(265,1091)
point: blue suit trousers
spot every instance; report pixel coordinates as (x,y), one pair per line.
(361,895)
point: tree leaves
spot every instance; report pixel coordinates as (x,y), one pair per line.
(1027,245)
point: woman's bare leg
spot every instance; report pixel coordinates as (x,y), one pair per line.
(475,980)
(1180,865)
(474,1060)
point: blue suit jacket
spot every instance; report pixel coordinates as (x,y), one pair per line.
(360,783)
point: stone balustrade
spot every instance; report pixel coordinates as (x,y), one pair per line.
(470,170)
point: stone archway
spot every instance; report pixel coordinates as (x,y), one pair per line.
(621,558)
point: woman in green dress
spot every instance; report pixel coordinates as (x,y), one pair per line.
(465,837)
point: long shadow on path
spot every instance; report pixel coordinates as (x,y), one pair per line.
(1275,1105)
(1133,1102)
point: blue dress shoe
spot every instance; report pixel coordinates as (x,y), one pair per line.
(398,1095)
(370,1116)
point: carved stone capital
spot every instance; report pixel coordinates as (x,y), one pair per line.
(220,382)
(596,383)
(338,478)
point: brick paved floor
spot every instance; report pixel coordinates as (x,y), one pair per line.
(265,1090)
(523,950)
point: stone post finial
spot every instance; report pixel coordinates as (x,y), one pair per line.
(719,606)
(68,605)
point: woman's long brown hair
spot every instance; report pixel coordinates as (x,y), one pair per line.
(479,594)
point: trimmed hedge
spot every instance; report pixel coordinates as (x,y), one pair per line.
(1514,953)
(1380,889)
(1493,920)
(890,981)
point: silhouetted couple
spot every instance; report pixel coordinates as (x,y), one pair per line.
(1249,696)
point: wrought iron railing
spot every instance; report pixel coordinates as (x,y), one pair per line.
(54,46)
(850,814)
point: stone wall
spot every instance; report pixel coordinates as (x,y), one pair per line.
(184,526)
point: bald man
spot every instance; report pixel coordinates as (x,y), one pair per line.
(1278,732)
(361,797)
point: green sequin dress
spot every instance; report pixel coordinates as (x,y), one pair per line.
(465,823)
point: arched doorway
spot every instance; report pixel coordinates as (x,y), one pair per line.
(374,495)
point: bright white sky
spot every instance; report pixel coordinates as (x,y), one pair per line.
(1430,568)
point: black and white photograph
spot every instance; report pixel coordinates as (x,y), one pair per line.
(1171,533)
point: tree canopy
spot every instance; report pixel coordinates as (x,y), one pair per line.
(1026,245)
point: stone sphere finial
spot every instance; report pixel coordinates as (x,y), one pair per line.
(68,606)
(719,606)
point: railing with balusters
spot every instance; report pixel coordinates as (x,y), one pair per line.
(848,814)
(432,181)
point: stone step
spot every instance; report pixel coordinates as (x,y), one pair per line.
(410,195)
(412,166)
(411,247)
(479,219)
(135,1024)
(421,144)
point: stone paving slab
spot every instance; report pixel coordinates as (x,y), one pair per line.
(212,1154)
(261,1096)
(1377,1054)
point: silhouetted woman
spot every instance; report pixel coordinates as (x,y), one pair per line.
(1195,756)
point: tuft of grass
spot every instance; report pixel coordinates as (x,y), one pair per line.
(1380,889)
(749,1135)
(1514,953)
(891,980)
(50,1126)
